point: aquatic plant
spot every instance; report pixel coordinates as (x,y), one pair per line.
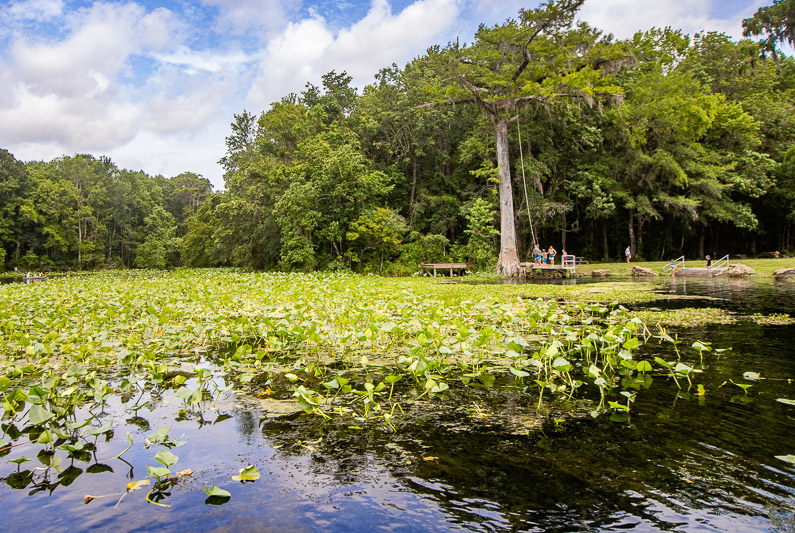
(340,347)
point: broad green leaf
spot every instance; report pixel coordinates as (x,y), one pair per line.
(161,435)
(45,437)
(166,458)
(518,373)
(158,471)
(561,364)
(183,393)
(39,415)
(100,430)
(248,473)
(218,492)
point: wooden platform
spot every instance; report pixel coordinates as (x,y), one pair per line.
(543,270)
(699,272)
(532,266)
(452,267)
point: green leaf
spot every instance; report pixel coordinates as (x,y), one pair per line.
(45,437)
(161,435)
(218,492)
(166,458)
(440,387)
(786,401)
(643,366)
(561,364)
(788,458)
(39,415)
(158,471)
(248,473)
(183,393)
(631,343)
(518,373)
(100,430)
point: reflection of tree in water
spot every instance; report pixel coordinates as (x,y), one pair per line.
(470,462)
(246,424)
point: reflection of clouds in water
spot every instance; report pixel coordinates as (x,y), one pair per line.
(744,296)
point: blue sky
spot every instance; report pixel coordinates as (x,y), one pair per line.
(154,84)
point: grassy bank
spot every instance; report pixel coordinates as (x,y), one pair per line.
(763,267)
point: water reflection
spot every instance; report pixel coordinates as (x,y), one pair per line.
(739,295)
(680,462)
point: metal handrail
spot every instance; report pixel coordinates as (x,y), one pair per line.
(721,263)
(679,263)
(569,262)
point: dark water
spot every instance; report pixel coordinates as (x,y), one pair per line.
(680,463)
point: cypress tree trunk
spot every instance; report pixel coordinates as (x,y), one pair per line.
(508,264)
(637,251)
(631,225)
(413,189)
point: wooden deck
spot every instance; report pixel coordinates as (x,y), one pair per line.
(699,272)
(452,267)
(533,270)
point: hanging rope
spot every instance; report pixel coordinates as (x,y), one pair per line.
(524,181)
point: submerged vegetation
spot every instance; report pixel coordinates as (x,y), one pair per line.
(351,350)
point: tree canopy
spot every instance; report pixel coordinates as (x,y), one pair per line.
(541,129)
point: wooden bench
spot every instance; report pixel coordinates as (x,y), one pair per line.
(462,267)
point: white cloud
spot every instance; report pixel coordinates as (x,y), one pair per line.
(155,89)
(623,18)
(98,124)
(308,49)
(67,90)
(35,9)
(239,16)
(209,61)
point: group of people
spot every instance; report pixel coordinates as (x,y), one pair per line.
(545,256)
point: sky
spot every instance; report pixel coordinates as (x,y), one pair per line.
(155,84)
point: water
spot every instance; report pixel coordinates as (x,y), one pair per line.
(680,463)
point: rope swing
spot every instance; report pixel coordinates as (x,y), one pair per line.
(524,181)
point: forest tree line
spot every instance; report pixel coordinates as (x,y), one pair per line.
(672,144)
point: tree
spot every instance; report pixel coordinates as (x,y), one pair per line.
(378,232)
(480,217)
(534,60)
(775,24)
(14,201)
(160,241)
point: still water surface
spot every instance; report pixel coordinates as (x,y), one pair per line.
(680,463)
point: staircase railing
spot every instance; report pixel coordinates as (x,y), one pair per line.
(723,262)
(678,264)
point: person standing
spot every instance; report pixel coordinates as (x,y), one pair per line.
(709,262)
(628,253)
(551,253)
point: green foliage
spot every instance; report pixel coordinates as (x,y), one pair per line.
(697,158)
(376,234)
(481,245)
